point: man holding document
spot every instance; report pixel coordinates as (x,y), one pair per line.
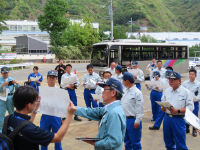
(7,86)
(70,87)
(174,125)
(194,87)
(112,119)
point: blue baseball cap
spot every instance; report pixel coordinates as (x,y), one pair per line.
(52,73)
(119,67)
(156,73)
(167,73)
(113,83)
(134,63)
(128,76)
(4,70)
(174,75)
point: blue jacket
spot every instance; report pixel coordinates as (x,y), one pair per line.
(32,82)
(11,88)
(112,125)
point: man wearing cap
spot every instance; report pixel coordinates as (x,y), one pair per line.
(71,88)
(7,83)
(112,120)
(118,76)
(161,114)
(139,77)
(89,77)
(112,67)
(160,69)
(193,86)
(60,69)
(174,126)
(156,94)
(51,122)
(128,65)
(132,104)
(152,65)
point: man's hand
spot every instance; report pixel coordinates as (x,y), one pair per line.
(156,88)
(163,109)
(72,86)
(84,83)
(135,77)
(95,100)
(57,68)
(197,131)
(15,81)
(97,83)
(4,84)
(29,80)
(89,142)
(173,111)
(146,85)
(71,108)
(61,68)
(136,125)
(37,103)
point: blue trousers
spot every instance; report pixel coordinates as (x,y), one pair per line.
(174,133)
(88,98)
(155,96)
(72,96)
(48,123)
(5,105)
(101,105)
(159,119)
(138,85)
(196,108)
(133,136)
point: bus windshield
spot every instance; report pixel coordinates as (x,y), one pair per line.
(99,56)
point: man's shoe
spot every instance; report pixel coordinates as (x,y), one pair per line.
(153,128)
(194,133)
(153,120)
(89,119)
(187,128)
(77,118)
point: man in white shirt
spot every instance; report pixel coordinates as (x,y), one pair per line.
(160,69)
(71,88)
(90,81)
(112,67)
(118,76)
(174,125)
(152,65)
(128,65)
(139,77)
(193,86)
(132,104)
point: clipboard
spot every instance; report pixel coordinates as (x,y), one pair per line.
(89,139)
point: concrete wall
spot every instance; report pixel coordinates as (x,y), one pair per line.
(50,58)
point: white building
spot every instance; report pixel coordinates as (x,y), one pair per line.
(95,25)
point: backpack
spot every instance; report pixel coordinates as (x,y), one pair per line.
(6,140)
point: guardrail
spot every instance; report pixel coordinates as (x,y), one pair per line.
(17,65)
(74,61)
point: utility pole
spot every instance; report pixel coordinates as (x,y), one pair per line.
(111,18)
(131,26)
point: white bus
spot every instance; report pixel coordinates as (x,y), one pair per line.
(123,51)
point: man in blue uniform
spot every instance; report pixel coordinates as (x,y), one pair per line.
(90,87)
(26,100)
(7,83)
(160,69)
(51,122)
(112,124)
(118,76)
(174,125)
(35,74)
(132,104)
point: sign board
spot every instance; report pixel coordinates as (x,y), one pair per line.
(8,56)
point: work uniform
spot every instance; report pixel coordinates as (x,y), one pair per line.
(111,70)
(132,104)
(51,123)
(155,95)
(8,104)
(60,72)
(162,73)
(118,77)
(112,125)
(140,78)
(31,136)
(174,126)
(152,65)
(194,88)
(72,93)
(90,90)
(99,91)
(33,83)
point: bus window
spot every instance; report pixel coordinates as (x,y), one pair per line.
(114,56)
(181,52)
(99,55)
(166,52)
(130,53)
(149,52)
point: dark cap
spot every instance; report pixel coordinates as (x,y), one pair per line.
(174,75)
(134,63)
(128,76)
(4,70)
(52,73)
(119,67)
(156,73)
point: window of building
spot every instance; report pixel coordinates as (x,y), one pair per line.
(13,27)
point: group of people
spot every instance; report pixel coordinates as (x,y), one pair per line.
(119,112)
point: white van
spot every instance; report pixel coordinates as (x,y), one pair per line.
(195,60)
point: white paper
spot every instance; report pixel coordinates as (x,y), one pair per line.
(152,83)
(35,78)
(91,84)
(165,105)
(4,94)
(54,101)
(134,72)
(68,81)
(195,99)
(162,86)
(97,97)
(192,119)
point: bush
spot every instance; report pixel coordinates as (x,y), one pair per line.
(15,61)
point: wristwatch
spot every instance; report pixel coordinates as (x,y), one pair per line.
(35,112)
(179,111)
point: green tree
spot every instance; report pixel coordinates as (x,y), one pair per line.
(2,17)
(53,21)
(194,48)
(147,39)
(119,33)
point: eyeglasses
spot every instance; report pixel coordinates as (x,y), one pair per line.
(172,79)
(108,89)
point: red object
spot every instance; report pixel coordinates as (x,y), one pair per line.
(74,71)
(44,59)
